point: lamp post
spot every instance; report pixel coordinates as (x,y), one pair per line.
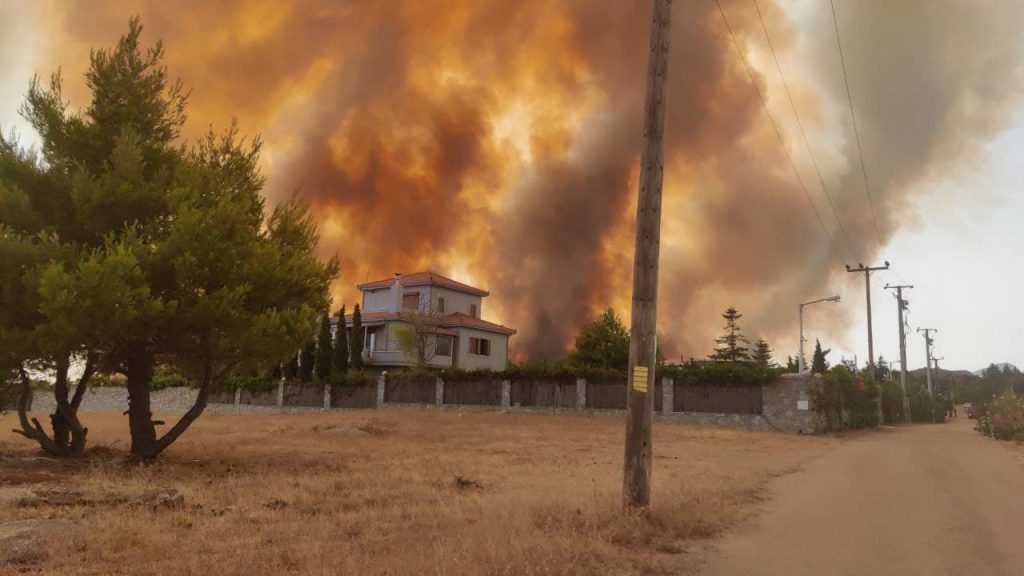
(802,362)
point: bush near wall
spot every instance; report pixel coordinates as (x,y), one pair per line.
(923,408)
(845,400)
(1003,417)
(721,374)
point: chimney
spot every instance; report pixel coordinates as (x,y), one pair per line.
(396,293)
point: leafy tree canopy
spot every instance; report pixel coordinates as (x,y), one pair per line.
(603,343)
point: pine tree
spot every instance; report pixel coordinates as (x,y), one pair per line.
(324,351)
(819,365)
(341,344)
(763,353)
(357,339)
(307,359)
(731,345)
(176,259)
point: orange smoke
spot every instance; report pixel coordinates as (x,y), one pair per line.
(498,142)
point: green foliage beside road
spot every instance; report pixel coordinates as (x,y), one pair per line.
(845,400)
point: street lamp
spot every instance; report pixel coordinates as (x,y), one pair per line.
(802,362)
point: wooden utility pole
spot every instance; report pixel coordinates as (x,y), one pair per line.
(901,305)
(636,486)
(928,341)
(867,270)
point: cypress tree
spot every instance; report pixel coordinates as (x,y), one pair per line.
(341,344)
(307,358)
(291,367)
(324,352)
(357,339)
(819,365)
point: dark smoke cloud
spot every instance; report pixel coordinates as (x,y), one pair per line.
(500,140)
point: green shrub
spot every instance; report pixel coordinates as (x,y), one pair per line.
(167,377)
(845,400)
(254,384)
(1003,417)
(722,374)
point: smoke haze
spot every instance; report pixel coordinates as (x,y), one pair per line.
(498,142)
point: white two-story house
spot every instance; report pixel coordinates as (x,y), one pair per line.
(449,319)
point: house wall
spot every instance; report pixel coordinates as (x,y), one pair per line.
(498,360)
(379,299)
(456,301)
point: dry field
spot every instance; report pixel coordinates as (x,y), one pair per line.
(395,493)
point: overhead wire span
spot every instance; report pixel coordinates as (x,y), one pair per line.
(803,134)
(778,133)
(856,130)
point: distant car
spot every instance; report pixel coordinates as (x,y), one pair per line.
(969,410)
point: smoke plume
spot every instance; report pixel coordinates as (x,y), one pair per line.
(498,142)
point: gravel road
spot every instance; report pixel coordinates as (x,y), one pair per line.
(922,500)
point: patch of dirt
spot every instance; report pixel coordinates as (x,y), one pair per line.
(29,541)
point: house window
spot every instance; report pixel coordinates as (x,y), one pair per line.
(472,310)
(480,346)
(440,305)
(411,301)
(442,345)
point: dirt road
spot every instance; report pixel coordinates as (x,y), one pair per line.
(938,499)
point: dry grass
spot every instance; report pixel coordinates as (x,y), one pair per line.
(396,492)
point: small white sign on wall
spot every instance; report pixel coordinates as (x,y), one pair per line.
(803,405)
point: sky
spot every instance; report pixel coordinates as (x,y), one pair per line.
(955,233)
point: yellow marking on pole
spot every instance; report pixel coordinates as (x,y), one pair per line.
(640,378)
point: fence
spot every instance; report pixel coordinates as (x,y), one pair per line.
(783,405)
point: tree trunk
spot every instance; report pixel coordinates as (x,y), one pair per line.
(61,431)
(139,371)
(33,431)
(206,387)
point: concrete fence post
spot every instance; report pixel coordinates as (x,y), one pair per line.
(668,394)
(581,394)
(381,380)
(439,392)
(327,396)
(238,396)
(280,392)
(506,394)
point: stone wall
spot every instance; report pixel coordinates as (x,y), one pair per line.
(787,405)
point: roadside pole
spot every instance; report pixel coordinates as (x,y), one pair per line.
(636,486)
(867,270)
(901,306)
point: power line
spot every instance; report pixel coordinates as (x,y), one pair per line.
(778,133)
(856,131)
(803,133)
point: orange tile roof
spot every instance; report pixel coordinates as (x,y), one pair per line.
(454,320)
(425,279)
(460,319)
